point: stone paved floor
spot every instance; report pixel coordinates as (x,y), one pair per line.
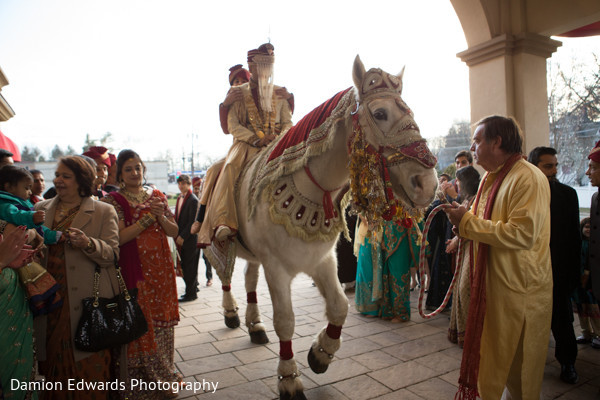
(377,360)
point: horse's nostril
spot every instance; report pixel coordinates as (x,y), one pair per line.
(417,182)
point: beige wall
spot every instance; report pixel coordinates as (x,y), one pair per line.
(509,42)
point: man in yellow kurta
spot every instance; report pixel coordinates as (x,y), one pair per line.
(254,121)
(518,284)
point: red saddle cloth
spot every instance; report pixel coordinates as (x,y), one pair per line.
(299,132)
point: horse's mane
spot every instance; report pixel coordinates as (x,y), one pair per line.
(310,137)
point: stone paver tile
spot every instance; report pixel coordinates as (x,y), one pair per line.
(416,331)
(361,387)
(316,310)
(588,354)
(586,369)
(198,312)
(454,352)
(441,321)
(433,389)
(401,394)
(310,329)
(325,393)
(272,383)
(403,375)
(309,301)
(418,348)
(356,346)
(375,360)
(338,370)
(439,362)
(246,391)
(552,386)
(228,333)
(222,378)
(228,345)
(191,389)
(260,369)
(197,351)
(207,364)
(385,339)
(583,392)
(368,329)
(254,354)
(210,326)
(305,319)
(184,321)
(451,377)
(191,340)
(352,320)
(214,316)
(185,330)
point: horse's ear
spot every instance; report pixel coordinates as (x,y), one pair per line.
(358,72)
(401,74)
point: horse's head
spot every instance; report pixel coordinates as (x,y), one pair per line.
(392,136)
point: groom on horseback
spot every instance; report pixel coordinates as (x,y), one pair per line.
(254,121)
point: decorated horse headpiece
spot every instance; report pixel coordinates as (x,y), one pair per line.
(370,185)
(405,136)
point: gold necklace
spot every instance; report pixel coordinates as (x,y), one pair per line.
(138,198)
(63,211)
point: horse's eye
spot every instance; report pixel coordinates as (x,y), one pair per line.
(380,115)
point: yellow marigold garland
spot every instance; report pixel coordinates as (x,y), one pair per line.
(368,189)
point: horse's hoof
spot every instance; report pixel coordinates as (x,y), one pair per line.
(299,395)
(316,366)
(259,337)
(232,322)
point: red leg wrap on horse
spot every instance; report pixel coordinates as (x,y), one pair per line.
(251,297)
(226,288)
(285,350)
(333,331)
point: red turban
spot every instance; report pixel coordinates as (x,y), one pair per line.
(99,154)
(238,70)
(595,153)
(196,181)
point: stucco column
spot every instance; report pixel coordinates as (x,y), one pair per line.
(507,76)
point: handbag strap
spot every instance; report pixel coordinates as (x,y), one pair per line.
(122,285)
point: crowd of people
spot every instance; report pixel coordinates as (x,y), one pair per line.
(524,262)
(102,213)
(525,258)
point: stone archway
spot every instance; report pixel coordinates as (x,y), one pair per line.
(509,42)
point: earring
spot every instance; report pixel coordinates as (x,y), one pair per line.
(122,185)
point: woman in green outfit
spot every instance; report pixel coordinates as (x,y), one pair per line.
(16,320)
(383,277)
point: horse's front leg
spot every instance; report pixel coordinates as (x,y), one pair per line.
(328,341)
(279,281)
(254,323)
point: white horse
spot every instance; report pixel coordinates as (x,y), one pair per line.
(290,212)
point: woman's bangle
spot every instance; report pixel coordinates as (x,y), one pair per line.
(146,221)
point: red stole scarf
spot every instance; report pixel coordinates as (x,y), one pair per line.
(469,367)
(177,208)
(129,258)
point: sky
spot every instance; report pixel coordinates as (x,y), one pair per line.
(154,72)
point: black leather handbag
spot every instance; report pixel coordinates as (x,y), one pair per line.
(107,323)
